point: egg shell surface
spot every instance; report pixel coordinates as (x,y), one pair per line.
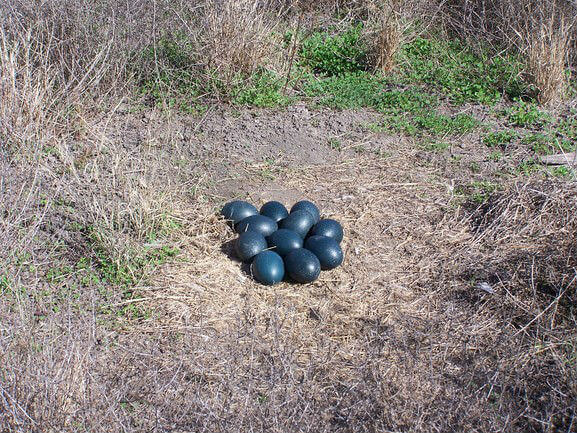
(283,241)
(275,210)
(329,228)
(302,265)
(299,221)
(268,268)
(257,223)
(327,250)
(238,210)
(249,244)
(310,207)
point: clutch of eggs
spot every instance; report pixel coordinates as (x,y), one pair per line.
(279,244)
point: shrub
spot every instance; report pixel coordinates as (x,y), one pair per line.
(335,54)
(465,76)
(544,32)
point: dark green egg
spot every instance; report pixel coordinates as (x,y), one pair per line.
(299,221)
(302,265)
(310,207)
(238,210)
(329,228)
(257,223)
(274,210)
(267,268)
(327,250)
(249,244)
(284,241)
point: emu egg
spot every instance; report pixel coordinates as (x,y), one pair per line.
(327,251)
(302,265)
(237,210)
(249,244)
(329,228)
(310,207)
(257,223)
(267,268)
(274,210)
(284,241)
(299,221)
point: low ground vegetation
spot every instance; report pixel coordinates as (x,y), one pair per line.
(124,129)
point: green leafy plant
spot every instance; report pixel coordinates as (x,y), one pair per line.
(431,123)
(495,156)
(562,171)
(568,126)
(528,167)
(264,89)
(526,114)
(335,144)
(334,53)
(354,90)
(478,192)
(546,143)
(438,146)
(465,76)
(500,138)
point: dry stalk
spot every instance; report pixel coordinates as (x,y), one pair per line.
(390,23)
(388,34)
(547,43)
(237,38)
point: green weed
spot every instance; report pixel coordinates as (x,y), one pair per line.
(335,144)
(333,54)
(438,146)
(6,284)
(475,167)
(568,127)
(478,192)
(175,84)
(500,138)
(528,167)
(58,274)
(456,71)
(431,123)
(495,156)
(263,90)
(128,269)
(562,171)
(526,114)
(162,226)
(547,143)
(354,90)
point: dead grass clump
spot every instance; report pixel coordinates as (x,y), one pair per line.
(518,276)
(546,39)
(49,63)
(533,224)
(23,92)
(236,38)
(389,32)
(388,25)
(540,31)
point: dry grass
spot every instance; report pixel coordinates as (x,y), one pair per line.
(541,31)
(398,339)
(548,49)
(238,38)
(392,24)
(389,33)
